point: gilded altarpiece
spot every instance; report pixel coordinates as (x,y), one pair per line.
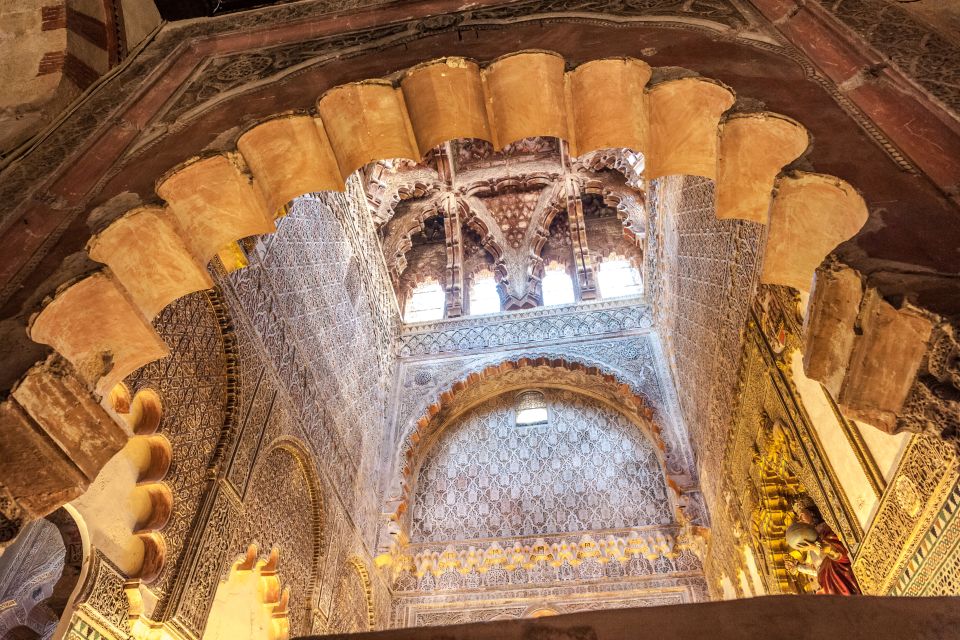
(911,545)
(773,457)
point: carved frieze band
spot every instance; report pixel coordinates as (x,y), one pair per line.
(522,328)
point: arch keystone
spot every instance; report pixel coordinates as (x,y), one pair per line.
(619,120)
(290,156)
(95,326)
(684,116)
(445,101)
(754,147)
(526,96)
(811,214)
(366,121)
(214,203)
(147,255)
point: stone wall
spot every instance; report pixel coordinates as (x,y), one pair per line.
(53,51)
(772,618)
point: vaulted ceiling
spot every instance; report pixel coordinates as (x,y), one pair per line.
(508,212)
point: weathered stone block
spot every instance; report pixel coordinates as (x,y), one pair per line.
(94,324)
(61,404)
(619,121)
(36,473)
(366,121)
(885,360)
(810,215)
(445,101)
(754,147)
(526,97)
(828,331)
(684,116)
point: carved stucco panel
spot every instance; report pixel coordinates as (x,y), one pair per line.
(587,468)
(191,383)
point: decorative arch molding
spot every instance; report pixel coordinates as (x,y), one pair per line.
(361,568)
(151,455)
(299,451)
(154,255)
(260,582)
(353,610)
(212,201)
(671,431)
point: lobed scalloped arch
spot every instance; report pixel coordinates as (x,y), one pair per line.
(157,254)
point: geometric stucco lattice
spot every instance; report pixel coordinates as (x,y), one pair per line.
(192,384)
(353,609)
(282,512)
(587,468)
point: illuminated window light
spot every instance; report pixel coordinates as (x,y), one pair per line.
(617,278)
(484,297)
(556,286)
(531,409)
(426,302)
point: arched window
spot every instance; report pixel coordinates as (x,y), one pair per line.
(556,286)
(531,408)
(484,297)
(617,278)
(425,302)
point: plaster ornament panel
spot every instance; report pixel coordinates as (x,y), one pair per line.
(636,360)
(934,568)
(192,384)
(702,273)
(895,554)
(273,415)
(261,402)
(217,545)
(515,602)
(514,329)
(926,56)
(587,468)
(29,569)
(328,341)
(604,555)
(102,600)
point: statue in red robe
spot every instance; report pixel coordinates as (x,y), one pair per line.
(827,559)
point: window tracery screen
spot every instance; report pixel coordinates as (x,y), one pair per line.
(588,468)
(531,408)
